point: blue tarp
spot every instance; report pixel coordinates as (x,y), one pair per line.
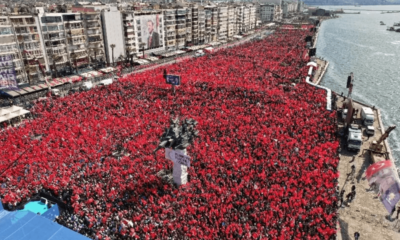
(25,225)
(52,213)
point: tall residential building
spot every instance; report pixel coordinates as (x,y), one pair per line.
(202,24)
(170,29)
(232,28)
(180,27)
(94,35)
(114,33)
(208,23)
(189,30)
(222,23)
(10,52)
(195,24)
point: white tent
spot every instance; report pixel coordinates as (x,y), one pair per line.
(12,112)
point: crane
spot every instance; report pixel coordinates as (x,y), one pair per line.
(376,147)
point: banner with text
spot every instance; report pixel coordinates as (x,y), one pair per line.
(8,79)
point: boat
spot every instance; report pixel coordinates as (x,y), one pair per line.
(382,23)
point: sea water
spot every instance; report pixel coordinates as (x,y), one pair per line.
(358,43)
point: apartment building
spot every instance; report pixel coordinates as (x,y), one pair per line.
(30,45)
(94,35)
(211,23)
(115,35)
(170,29)
(180,18)
(10,55)
(202,24)
(222,23)
(195,24)
(232,28)
(189,26)
(208,23)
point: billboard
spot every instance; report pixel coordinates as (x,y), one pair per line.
(8,79)
(151,31)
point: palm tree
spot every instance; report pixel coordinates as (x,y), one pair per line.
(112,54)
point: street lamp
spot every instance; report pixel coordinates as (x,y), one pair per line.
(112,55)
(142,45)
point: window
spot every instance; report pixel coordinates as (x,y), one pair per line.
(51,19)
(138,22)
(44,28)
(61,27)
(5,31)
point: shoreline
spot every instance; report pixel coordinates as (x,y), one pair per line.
(366,214)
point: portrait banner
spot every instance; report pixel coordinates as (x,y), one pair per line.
(151,32)
(8,79)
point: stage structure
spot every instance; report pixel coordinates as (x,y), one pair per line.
(175,140)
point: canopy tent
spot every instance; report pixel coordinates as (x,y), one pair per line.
(194,48)
(152,59)
(106,82)
(141,61)
(12,112)
(91,74)
(107,70)
(214,43)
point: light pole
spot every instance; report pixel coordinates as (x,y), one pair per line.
(142,47)
(112,55)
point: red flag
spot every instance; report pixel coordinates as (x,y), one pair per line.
(376,167)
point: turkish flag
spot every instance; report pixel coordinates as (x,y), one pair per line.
(376,167)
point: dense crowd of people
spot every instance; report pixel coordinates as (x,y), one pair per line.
(264,166)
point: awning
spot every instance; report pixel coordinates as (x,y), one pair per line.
(44,86)
(36,88)
(29,89)
(238,37)
(21,92)
(12,93)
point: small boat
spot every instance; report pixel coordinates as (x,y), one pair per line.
(382,23)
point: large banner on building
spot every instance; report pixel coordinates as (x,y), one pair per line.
(8,79)
(151,31)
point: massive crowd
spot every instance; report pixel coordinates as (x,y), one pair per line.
(264,166)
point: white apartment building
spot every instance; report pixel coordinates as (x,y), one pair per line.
(222,23)
(170,29)
(202,24)
(116,33)
(9,49)
(232,28)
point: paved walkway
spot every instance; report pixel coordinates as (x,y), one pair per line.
(366,214)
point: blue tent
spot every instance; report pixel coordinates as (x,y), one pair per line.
(25,225)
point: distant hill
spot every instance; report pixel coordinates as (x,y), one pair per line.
(352,2)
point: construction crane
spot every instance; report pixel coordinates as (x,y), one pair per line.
(376,147)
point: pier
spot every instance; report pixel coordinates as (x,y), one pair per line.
(365,214)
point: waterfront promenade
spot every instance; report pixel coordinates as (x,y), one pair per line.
(365,214)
